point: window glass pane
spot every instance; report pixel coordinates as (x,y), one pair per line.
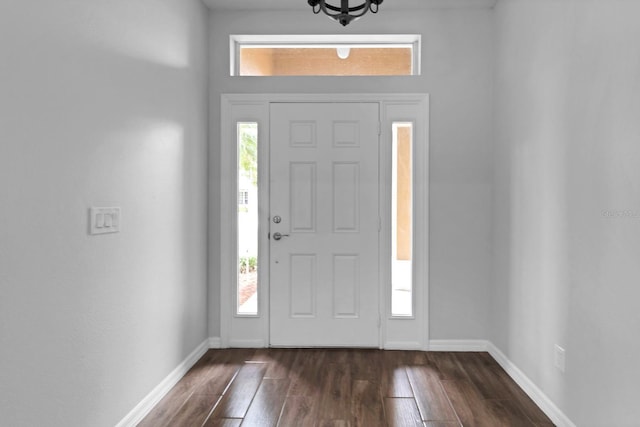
(247,295)
(323,60)
(402,221)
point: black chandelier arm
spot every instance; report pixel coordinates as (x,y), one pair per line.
(344,14)
(351,9)
(315,6)
(327,9)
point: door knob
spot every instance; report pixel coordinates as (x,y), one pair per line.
(278,236)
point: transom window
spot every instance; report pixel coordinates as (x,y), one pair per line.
(325,55)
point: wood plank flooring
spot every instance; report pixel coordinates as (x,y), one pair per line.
(345,388)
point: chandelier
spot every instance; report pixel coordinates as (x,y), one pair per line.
(344,14)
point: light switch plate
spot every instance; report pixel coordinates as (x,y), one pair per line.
(104,220)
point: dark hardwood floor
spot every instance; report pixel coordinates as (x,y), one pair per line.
(345,387)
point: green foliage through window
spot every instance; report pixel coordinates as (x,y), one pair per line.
(248,151)
(248,264)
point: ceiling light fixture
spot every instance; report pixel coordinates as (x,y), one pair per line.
(344,14)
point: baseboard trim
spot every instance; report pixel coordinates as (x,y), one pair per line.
(533,391)
(529,387)
(150,400)
(458,345)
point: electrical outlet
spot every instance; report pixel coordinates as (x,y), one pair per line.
(560,358)
(104,220)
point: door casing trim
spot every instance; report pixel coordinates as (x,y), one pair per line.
(253,331)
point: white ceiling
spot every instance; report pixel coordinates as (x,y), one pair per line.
(387,4)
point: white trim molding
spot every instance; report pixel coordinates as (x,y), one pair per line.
(253,331)
(400,332)
(533,391)
(238,41)
(150,400)
(458,345)
(529,387)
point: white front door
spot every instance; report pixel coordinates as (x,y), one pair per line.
(324,224)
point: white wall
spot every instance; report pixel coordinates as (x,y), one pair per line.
(457,73)
(101,103)
(567,159)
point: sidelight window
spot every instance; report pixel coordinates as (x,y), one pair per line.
(402,221)
(247,236)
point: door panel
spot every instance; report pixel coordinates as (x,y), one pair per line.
(324,187)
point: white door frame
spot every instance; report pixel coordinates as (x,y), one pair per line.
(410,333)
